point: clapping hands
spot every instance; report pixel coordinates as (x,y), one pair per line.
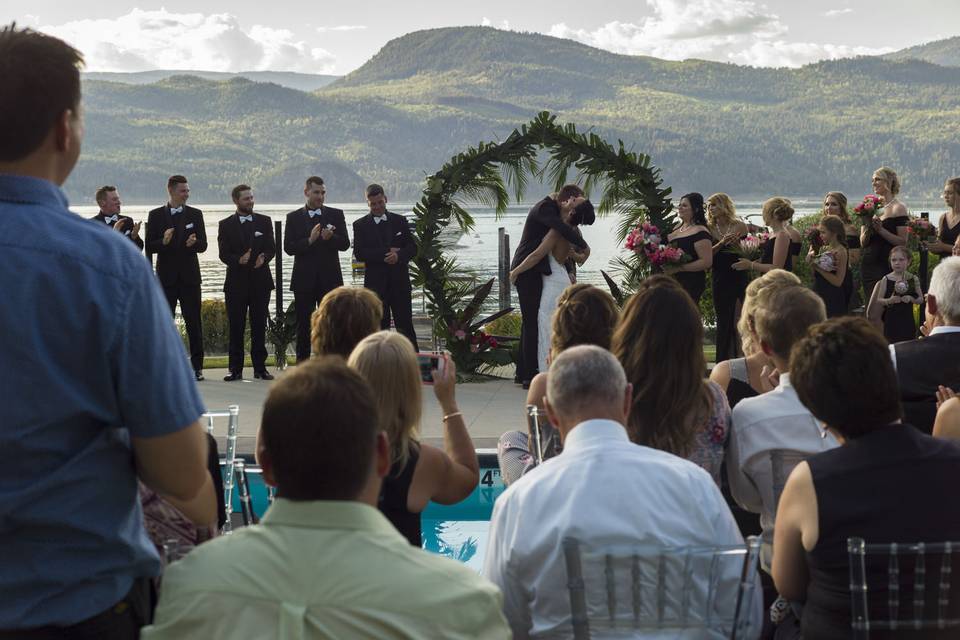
(944,394)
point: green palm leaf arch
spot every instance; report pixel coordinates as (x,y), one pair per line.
(492,172)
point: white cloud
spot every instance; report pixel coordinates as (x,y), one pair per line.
(837,12)
(342,27)
(143,40)
(739,31)
(487,22)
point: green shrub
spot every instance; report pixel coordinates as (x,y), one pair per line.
(505,325)
(216,332)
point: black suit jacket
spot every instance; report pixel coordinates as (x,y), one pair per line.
(543,216)
(369,246)
(176,262)
(127,229)
(318,264)
(233,240)
(922,365)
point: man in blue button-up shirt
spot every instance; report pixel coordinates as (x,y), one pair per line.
(95,388)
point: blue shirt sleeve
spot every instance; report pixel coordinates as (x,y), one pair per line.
(158,394)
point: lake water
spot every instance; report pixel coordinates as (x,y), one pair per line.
(477,250)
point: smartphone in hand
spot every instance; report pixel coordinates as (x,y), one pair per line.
(428,362)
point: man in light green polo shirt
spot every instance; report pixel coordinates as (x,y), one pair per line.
(324,562)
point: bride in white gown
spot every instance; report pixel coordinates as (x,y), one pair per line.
(556,250)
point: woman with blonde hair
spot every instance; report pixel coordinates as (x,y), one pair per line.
(345,316)
(749,376)
(728,285)
(948,229)
(784,242)
(884,232)
(419,472)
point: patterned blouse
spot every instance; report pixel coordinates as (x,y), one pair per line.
(711,442)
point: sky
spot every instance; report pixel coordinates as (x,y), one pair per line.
(338,37)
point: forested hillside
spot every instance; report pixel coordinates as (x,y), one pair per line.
(425,96)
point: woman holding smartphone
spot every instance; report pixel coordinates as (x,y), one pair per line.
(419,472)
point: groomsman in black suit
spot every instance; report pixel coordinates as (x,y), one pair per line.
(543,216)
(175,232)
(382,240)
(109,202)
(314,236)
(246,245)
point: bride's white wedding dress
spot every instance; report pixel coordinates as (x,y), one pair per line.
(553,286)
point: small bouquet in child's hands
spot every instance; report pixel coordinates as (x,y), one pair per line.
(870,207)
(814,239)
(901,287)
(920,232)
(827,261)
(647,242)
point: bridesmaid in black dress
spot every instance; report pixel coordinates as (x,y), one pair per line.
(728,285)
(833,284)
(693,237)
(885,232)
(784,242)
(948,230)
(835,204)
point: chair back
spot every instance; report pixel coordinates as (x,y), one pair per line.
(782,462)
(921,571)
(232,414)
(624,590)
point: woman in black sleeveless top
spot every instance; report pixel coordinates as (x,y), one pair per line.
(419,473)
(784,242)
(888,483)
(695,240)
(883,233)
(948,229)
(728,285)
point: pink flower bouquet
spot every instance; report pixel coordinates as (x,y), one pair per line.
(921,232)
(646,241)
(870,207)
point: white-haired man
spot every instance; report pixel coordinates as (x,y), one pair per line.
(602,489)
(925,363)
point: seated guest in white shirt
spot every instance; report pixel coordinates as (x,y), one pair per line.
(324,562)
(775,420)
(924,364)
(601,489)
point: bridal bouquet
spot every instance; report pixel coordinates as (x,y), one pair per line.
(870,207)
(921,231)
(647,242)
(814,239)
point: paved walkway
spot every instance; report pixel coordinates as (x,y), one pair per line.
(489,408)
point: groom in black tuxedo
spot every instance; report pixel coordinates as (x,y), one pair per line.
(108,199)
(175,232)
(382,240)
(545,215)
(246,245)
(314,236)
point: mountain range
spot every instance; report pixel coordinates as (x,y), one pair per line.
(427,95)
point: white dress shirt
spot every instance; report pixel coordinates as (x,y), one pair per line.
(933,332)
(764,423)
(602,489)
